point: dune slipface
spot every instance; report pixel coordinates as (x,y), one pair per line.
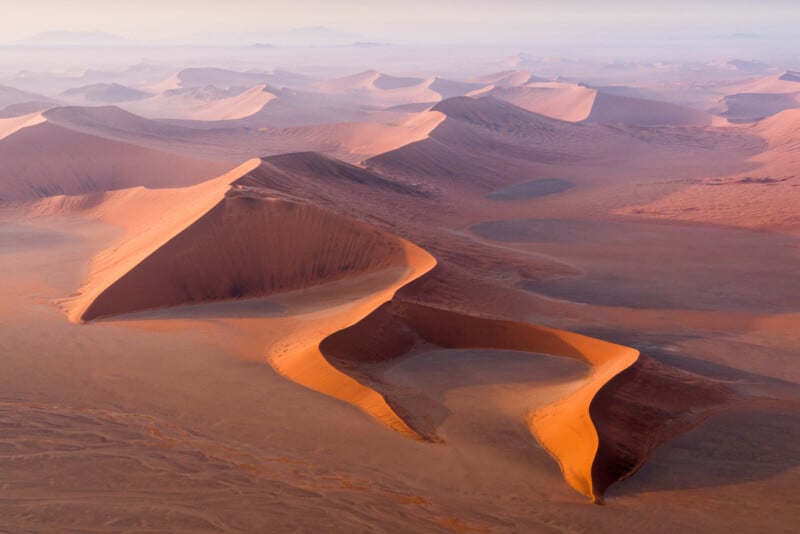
(565,428)
(245,247)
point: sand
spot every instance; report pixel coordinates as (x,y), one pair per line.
(460,316)
(12,125)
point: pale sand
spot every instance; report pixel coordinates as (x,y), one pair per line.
(764,198)
(12,125)
(187,106)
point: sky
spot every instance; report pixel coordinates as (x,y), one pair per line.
(613,23)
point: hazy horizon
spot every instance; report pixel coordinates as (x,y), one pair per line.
(618,29)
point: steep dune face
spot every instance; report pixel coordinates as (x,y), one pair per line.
(204,104)
(148,218)
(613,109)
(564,428)
(12,125)
(754,100)
(301,171)
(642,407)
(46,160)
(561,101)
(245,247)
(749,107)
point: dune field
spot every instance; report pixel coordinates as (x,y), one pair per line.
(249,299)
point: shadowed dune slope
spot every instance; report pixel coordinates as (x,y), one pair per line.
(564,428)
(245,247)
(299,171)
(614,109)
(46,160)
(641,408)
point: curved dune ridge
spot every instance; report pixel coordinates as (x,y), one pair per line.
(563,101)
(565,428)
(226,242)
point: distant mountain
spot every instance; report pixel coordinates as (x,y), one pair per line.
(75,38)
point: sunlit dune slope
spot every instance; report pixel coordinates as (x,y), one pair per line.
(565,428)
(567,102)
(203,104)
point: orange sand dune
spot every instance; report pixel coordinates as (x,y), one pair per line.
(564,428)
(227,244)
(148,219)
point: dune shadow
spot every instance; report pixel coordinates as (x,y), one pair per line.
(227,309)
(731,448)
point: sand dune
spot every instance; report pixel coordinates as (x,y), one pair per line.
(565,428)
(245,247)
(508,78)
(227,78)
(15,124)
(356,141)
(203,104)
(47,159)
(148,219)
(757,99)
(11,96)
(373,87)
(613,109)
(562,101)
(763,198)
(750,107)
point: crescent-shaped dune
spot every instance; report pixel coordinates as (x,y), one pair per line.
(565,428)
(563,101)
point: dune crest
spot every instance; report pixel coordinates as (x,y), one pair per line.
(565,428)
(12,125)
